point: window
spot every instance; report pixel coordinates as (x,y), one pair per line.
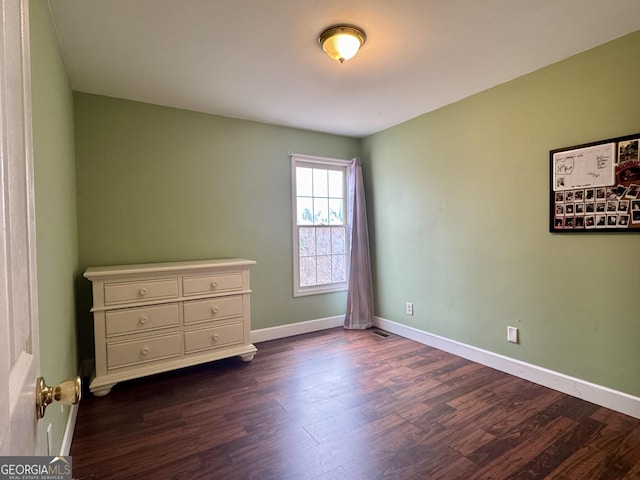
(320,240)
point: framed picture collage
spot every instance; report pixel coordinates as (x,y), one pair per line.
(596,186)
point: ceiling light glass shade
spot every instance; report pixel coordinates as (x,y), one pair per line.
(342,42)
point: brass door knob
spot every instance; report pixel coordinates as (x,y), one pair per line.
(67,392)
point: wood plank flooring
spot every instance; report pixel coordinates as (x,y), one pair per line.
(348,405)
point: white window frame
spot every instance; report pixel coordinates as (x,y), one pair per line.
(317,162)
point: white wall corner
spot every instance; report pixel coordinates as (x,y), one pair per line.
(598,394)
(283,331)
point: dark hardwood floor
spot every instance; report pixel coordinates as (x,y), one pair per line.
(348,405)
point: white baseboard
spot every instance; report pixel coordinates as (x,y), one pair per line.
(84,370)
(598,394)
(67,438)
(283,331)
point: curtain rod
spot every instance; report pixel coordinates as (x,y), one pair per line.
(316,157)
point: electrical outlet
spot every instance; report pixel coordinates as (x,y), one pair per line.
(512,334)
(408,308)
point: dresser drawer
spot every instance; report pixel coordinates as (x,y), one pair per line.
(212,309)
(203,285)
(213,337)
(142,319)
(141,351)
(127,292)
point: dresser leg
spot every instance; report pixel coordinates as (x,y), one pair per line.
(247,357)
(102,390)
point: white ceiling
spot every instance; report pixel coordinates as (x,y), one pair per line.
(260,59)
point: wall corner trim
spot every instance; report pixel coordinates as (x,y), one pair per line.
(598,394)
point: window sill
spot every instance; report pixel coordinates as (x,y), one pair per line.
(319,290)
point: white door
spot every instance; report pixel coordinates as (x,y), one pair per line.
(19,348)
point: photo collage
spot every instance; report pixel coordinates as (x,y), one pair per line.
(613,207)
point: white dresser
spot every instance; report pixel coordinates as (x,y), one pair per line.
(156,317)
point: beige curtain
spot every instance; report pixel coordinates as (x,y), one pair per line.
(360,293)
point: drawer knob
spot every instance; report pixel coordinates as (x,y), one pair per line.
(143,291)
(145,351)
(216,337)
(215,309)
(214,285)
(144,320)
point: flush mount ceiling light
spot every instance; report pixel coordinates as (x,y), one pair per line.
(342,42)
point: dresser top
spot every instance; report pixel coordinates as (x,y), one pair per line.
(117,270)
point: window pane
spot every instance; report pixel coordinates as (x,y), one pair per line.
(336,188)
(323,236)
(304,182)
(337,239)
(305,211)
(307,271)
(321,211)
(320,247)
(323,269)
(307,239)
(336,216)
(338,270)
(320,186)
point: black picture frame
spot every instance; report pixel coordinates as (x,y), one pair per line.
(583,177)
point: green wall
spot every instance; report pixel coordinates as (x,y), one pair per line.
(56,227)
(459,205)
(161,184)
